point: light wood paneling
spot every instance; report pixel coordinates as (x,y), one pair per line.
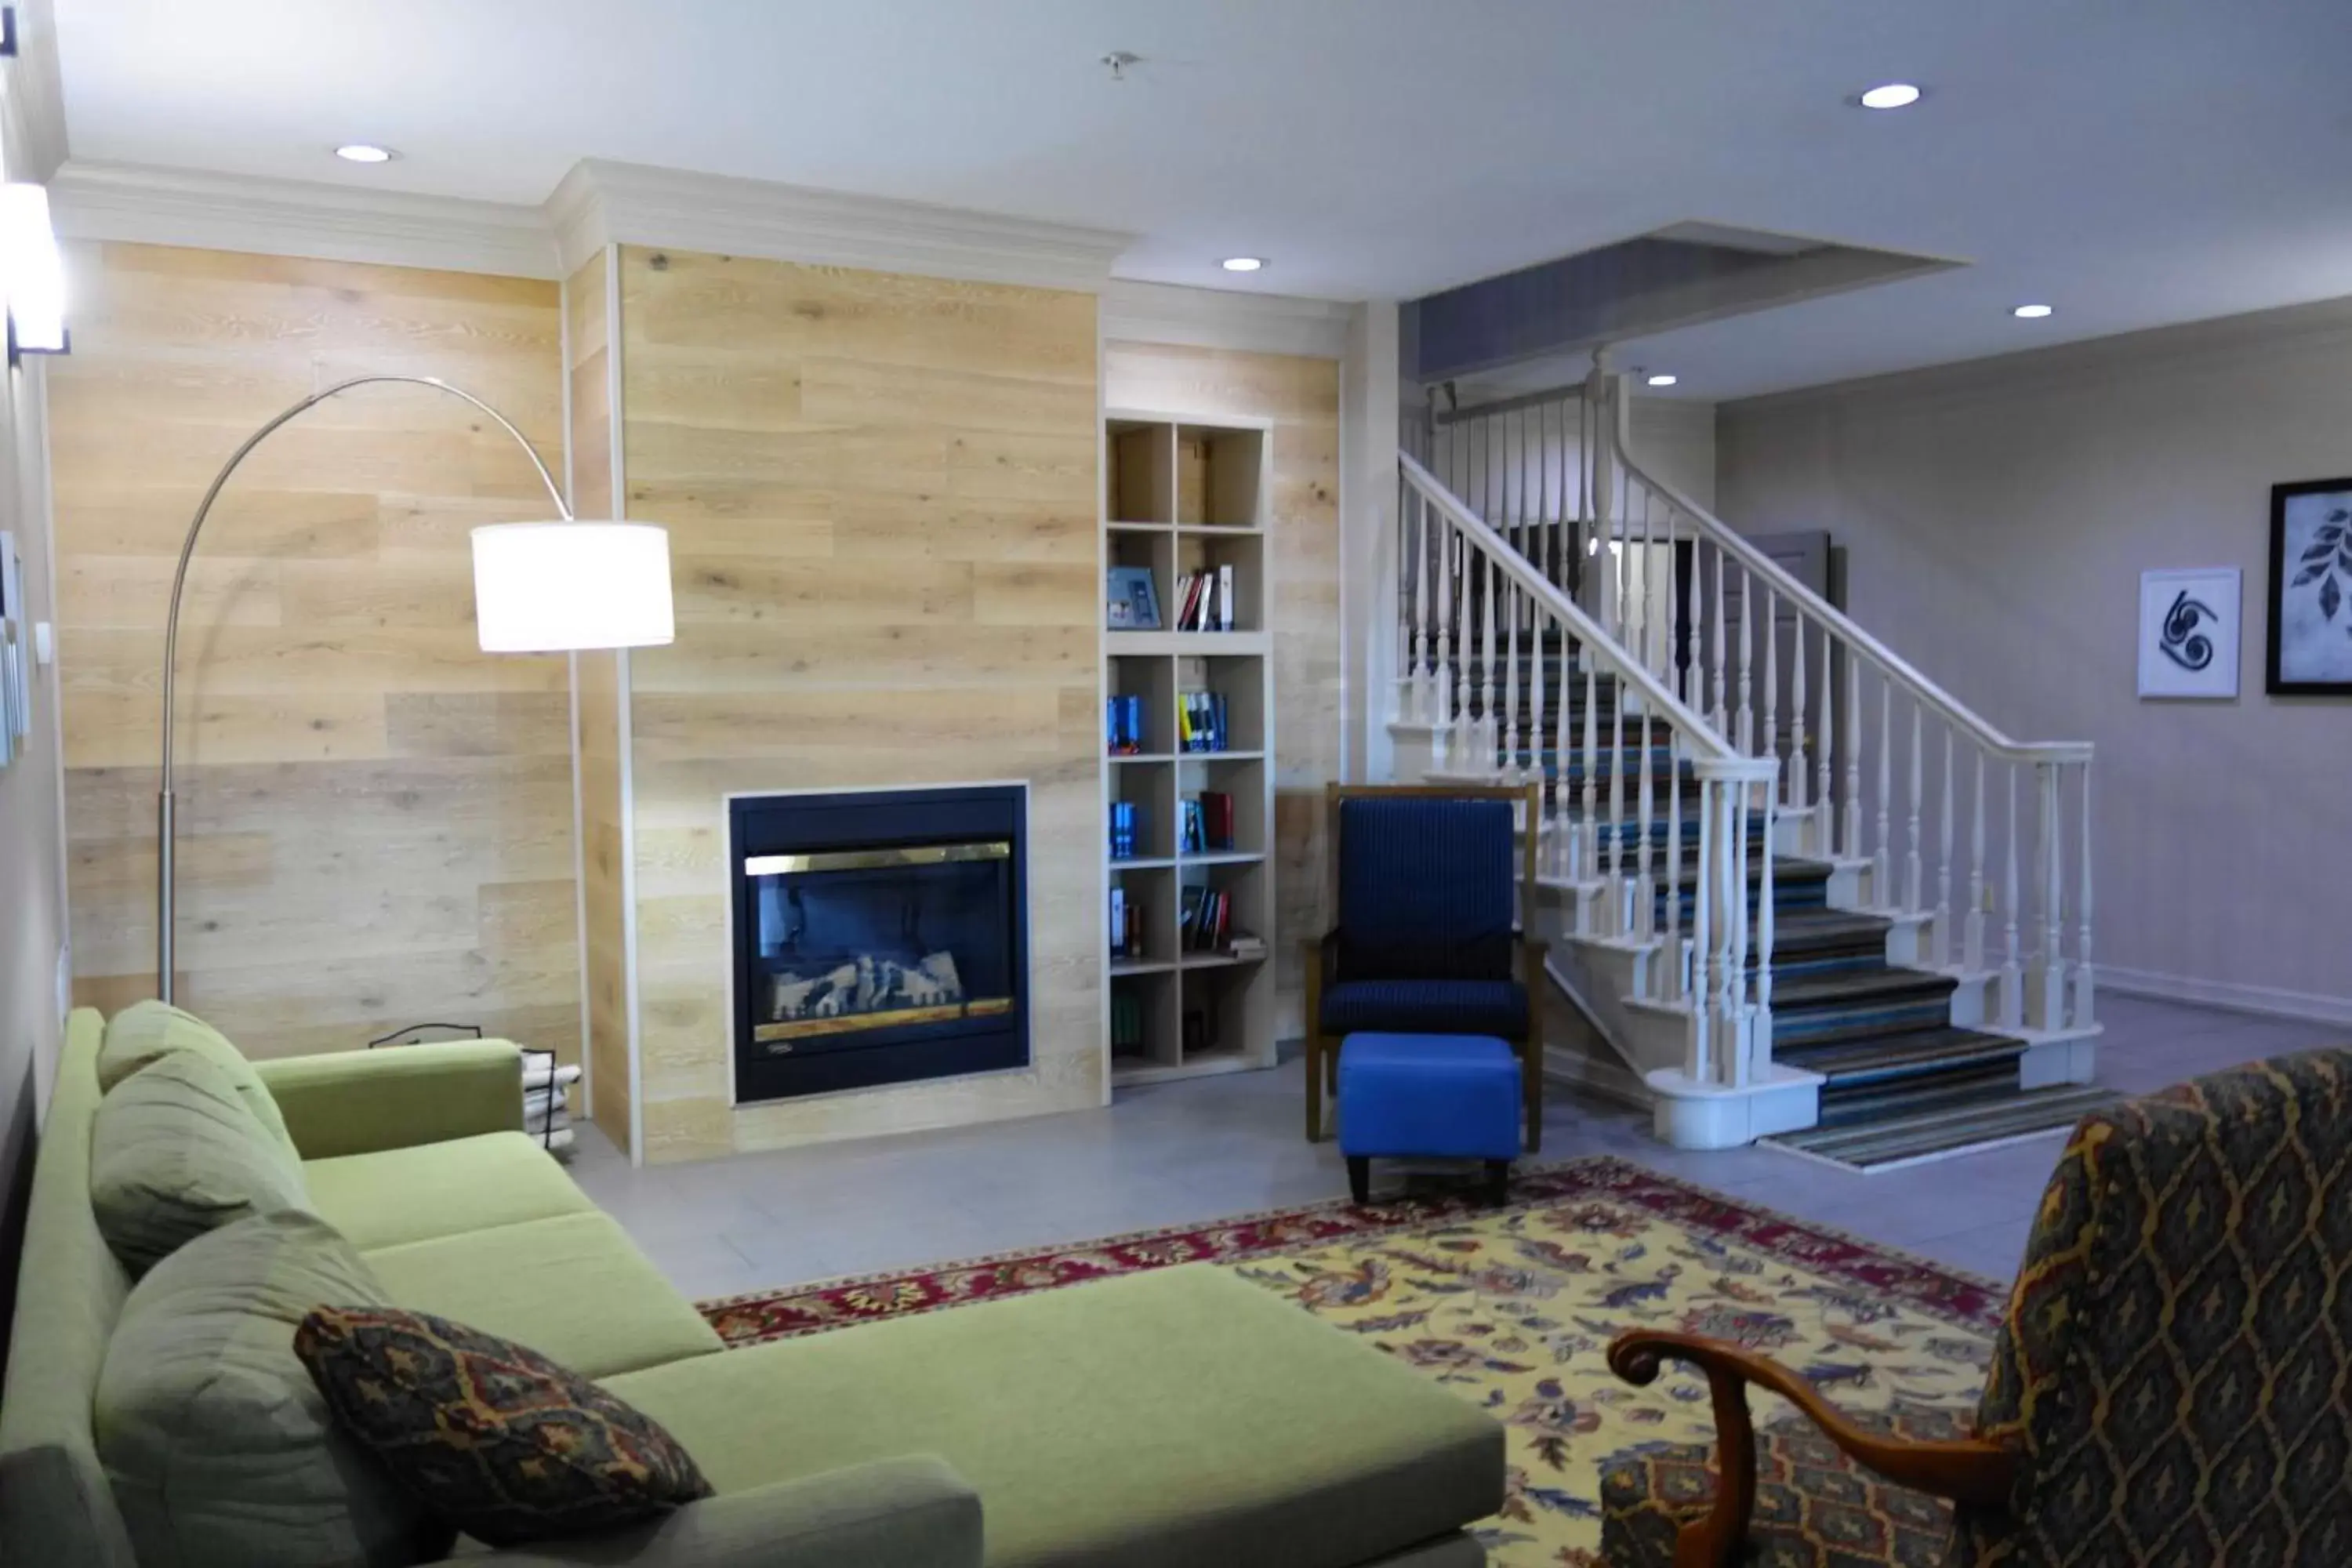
(597,689)
(881,493)
(374,816)
(1301,397)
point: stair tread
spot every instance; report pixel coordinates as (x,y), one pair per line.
(1991,1114)
(1899,1052)
(1858,985)
(1803,932)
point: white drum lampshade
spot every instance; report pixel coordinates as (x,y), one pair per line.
(554,587)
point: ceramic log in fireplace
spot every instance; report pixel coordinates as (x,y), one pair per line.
(880,937)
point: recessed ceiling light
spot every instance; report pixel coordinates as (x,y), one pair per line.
(1243,263)
(2031,312)
(1661,379)
(364,153)
(1890,95)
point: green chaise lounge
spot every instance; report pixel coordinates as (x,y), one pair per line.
(1180,1417)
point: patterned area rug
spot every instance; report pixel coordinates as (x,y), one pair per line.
(1513,1309)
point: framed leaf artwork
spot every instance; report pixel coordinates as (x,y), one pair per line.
(2311,589)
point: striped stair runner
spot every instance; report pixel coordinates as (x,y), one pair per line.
(1903,1082)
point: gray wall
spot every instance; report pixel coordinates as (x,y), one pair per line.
(1998,515)
(32,868)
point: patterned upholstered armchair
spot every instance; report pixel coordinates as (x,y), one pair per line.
(2172,1384)
(1429,883)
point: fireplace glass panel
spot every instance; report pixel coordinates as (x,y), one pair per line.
(857,940)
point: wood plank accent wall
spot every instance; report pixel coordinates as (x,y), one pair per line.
(597,689)
(375,816)
(1301,396)
(881,493)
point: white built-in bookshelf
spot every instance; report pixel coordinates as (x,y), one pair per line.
(1185,497)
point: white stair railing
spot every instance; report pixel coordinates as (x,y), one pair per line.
(1883,770)
(1468,596)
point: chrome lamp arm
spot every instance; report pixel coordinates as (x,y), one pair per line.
(163,804)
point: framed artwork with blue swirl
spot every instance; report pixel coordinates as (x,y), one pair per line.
(2188,633)
(2311,589)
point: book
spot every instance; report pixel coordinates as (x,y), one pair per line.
(1201,721)
(1126,830)
(1123,725)
(1215,812)
(1225,597)
(1192,597)
(1130,600)
(1118,922)
(1195,835)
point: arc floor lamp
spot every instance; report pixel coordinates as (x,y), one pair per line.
(559,586)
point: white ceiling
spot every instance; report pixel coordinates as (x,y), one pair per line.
(2133,163)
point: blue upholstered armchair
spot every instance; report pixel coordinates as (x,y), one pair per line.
(1430,884)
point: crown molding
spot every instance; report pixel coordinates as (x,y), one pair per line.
(1224,319)
(601,202)
(152,206)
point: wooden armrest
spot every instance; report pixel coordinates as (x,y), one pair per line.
(1973,1471)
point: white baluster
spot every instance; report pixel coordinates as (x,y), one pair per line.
(1441,676)
(1490,740)
(1772,635)
(1800,784)
(1667,967)
(1531,491)
(1513,729)
(1562,838)
(1588,823)
(1420,569)
(1852,832)
(1972,928)
(1732,943)
(2085,1009)
(1824,764)
(1699,1066)
(1746,721)
(2048,994)
(1677,664)
(1913,890)
(1617,886)
(1646,891)
(1947,808)
(1646,634)
(2012,966)
(1717,711)
(1760,1027)
(1461,688)
(1882,861)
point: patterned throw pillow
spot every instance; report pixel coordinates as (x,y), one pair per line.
(497,1439)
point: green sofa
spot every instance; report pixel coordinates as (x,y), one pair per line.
(1181,1417)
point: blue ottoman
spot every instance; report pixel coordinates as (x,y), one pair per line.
(1428,1096)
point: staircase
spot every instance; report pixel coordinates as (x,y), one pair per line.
(1701,727)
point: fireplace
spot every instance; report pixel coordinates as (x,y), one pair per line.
(880,937)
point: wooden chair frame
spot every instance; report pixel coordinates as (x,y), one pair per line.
(1975,1471)
(1323,1054)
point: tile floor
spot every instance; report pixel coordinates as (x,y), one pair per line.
(1180,1153)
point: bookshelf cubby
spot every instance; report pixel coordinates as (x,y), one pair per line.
(1186,496)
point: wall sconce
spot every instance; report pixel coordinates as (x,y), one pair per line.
(32,273)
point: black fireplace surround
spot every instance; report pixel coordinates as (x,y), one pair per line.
(880,937)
